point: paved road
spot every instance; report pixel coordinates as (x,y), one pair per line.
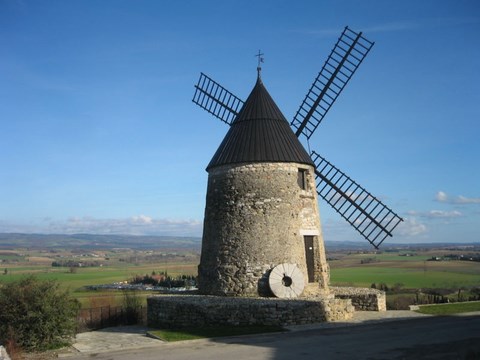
(454,337)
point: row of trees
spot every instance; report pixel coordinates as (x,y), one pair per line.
(162,279)
(73,263)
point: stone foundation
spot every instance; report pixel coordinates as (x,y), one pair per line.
(363,299)
(179,311)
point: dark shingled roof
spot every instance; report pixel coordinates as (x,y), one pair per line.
(260,133)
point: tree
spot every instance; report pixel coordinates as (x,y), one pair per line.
(37,315)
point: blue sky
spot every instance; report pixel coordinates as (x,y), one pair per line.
(99,134)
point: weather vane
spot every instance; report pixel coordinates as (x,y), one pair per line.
(260,60)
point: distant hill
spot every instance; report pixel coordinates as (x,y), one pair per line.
(92,241)
(63,241)
(363,245)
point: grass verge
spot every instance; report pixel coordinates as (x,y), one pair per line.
(211,332)
(450,309)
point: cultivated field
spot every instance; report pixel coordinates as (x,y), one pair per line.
(94,268)
(412,272)
(402,269)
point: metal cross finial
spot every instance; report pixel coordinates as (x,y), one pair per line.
(260,60)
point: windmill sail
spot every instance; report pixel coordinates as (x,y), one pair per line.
(370,217)
(217,100)
(347,55)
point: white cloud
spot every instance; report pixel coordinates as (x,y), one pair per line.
(442,214)
(435,214)
(411,227)
(441,196)
(135,225)
(458,200)
(142,219)
(464,200)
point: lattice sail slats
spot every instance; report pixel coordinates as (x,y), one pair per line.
(346,56)
(370,217)
(217,100)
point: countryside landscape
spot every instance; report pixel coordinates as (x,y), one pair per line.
(165,165)
(83,264)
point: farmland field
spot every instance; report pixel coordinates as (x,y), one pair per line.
(405,268)
(94,267)
(96,275)
(410,278)
(75,282)
(415,271)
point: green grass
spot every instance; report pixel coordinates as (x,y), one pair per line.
(93,275)
(411,277)
(73,281)
(389,257)
(171,335)
(450,309)
(76,282)
(11,257)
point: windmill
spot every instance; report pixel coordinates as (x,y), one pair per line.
(367,214)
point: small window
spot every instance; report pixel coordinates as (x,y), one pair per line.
(302,179)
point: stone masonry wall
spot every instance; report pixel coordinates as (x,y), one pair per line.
(179,311)
(255,218)
(363,299)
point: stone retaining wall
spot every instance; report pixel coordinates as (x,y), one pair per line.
(177,311)
(363,299)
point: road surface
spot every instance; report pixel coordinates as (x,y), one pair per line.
(453,337)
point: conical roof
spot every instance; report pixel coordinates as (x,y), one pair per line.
(260,133)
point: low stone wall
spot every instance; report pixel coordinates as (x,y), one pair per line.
(177,311)
(363,299)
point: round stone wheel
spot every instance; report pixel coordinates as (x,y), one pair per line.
(286,281)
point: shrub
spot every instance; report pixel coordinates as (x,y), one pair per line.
(36,315)
(369,260)
(132,305)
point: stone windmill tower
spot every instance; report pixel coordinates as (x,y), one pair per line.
(261,208)
(262,234)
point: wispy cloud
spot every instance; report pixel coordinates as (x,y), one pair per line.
(391,27)
(442,197)
(388,27)
(421,24)
(432,214)
(135,225)
(396,26)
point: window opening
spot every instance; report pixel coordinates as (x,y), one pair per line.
(302,179)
